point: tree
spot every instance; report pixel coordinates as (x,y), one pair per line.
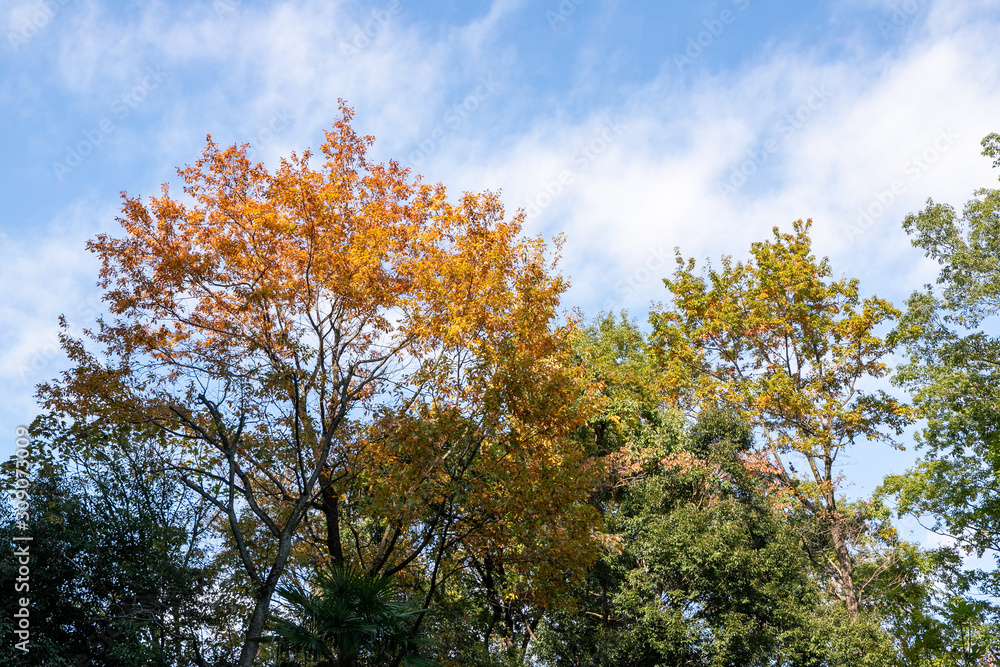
(700,567)
(786,348)
(119,574)
(350,620)
(616,356)
(703,566)
(341,352)
(953,370)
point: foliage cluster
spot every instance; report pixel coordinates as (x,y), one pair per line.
(334,419)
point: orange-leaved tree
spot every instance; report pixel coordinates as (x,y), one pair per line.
(341,347)
(790,350)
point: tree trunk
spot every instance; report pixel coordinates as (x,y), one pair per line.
(331,510)
(844,566)
(263,605)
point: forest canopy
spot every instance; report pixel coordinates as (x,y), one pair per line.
(336,416)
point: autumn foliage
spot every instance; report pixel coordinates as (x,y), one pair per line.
(790,350)
(341,354)
(374,440)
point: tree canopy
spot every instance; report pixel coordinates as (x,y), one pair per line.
(953,369)
(334,416)
(788,350)
(342,348)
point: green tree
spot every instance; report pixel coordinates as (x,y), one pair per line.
(704,571)
(788,350)
(701,564)
(349,619)
(953,370)
(118,573)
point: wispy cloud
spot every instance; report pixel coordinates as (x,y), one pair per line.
(628,177)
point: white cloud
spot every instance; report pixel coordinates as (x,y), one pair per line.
(53,277)
(914,120)
(657,183)
(633,194)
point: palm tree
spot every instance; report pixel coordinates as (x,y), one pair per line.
(349,619)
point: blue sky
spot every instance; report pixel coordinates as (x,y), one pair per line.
(633,127)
